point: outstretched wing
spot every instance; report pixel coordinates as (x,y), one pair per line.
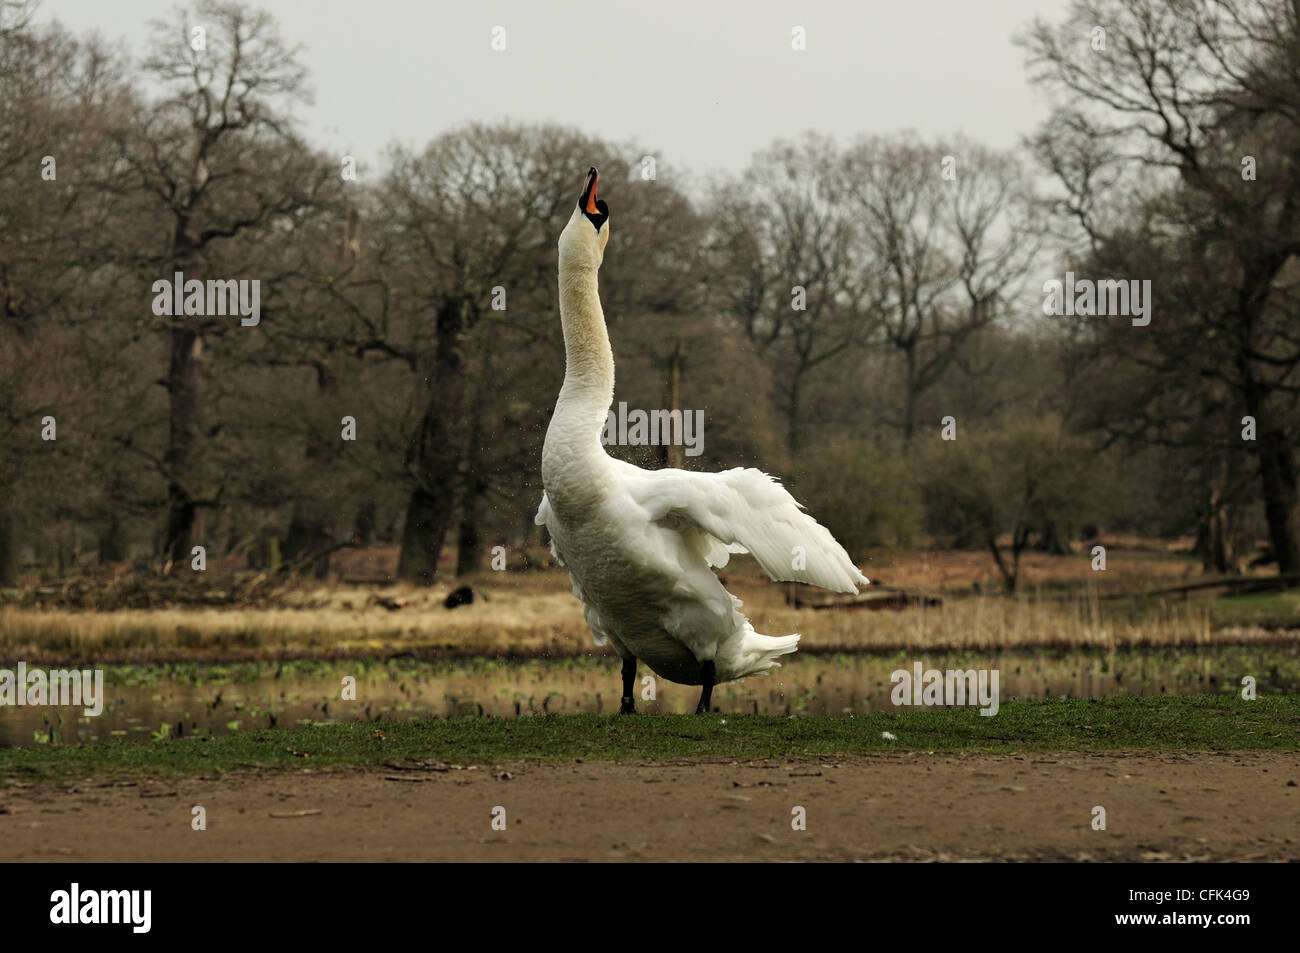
(747,508)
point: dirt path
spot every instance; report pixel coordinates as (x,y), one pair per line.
(1175,806)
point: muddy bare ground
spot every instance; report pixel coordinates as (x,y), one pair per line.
(901,807)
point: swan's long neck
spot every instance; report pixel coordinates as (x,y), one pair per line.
(588,387)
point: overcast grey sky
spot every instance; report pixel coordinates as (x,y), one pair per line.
(701,85)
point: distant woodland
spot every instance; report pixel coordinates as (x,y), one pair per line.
(827,310)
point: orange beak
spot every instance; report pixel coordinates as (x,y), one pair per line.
(589,193)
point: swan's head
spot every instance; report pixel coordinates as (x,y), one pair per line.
(582,243)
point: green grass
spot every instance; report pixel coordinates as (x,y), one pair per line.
(1273,610)
(1209,722)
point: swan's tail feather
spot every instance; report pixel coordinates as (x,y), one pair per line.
(759,653)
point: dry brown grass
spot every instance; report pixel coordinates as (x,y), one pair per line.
(527,619)
(534,613)
(1129,569)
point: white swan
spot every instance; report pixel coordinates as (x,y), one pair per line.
(641,545)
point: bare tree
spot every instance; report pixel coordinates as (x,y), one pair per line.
(215,161)
(477,210)
(950,252)
(785,271)
(59,97)
(1203,100)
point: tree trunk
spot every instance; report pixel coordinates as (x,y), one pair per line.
(910,399)
(1278,478)
(112,542)
(673,455)
(311,527)
(427,516)
(1053,540)
(434,454)
(306,535)
(1008,577)
(792,412)
(182,455)
(1277,471)
(1019,540)
(469,541)
(1216,536)
(8,550)
(365,525)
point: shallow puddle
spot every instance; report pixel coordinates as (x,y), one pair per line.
(148,702)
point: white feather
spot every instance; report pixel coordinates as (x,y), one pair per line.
(641,545)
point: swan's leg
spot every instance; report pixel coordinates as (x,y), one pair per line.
(629,680)
(706,696)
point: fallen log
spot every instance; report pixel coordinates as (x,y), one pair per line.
(875,599)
